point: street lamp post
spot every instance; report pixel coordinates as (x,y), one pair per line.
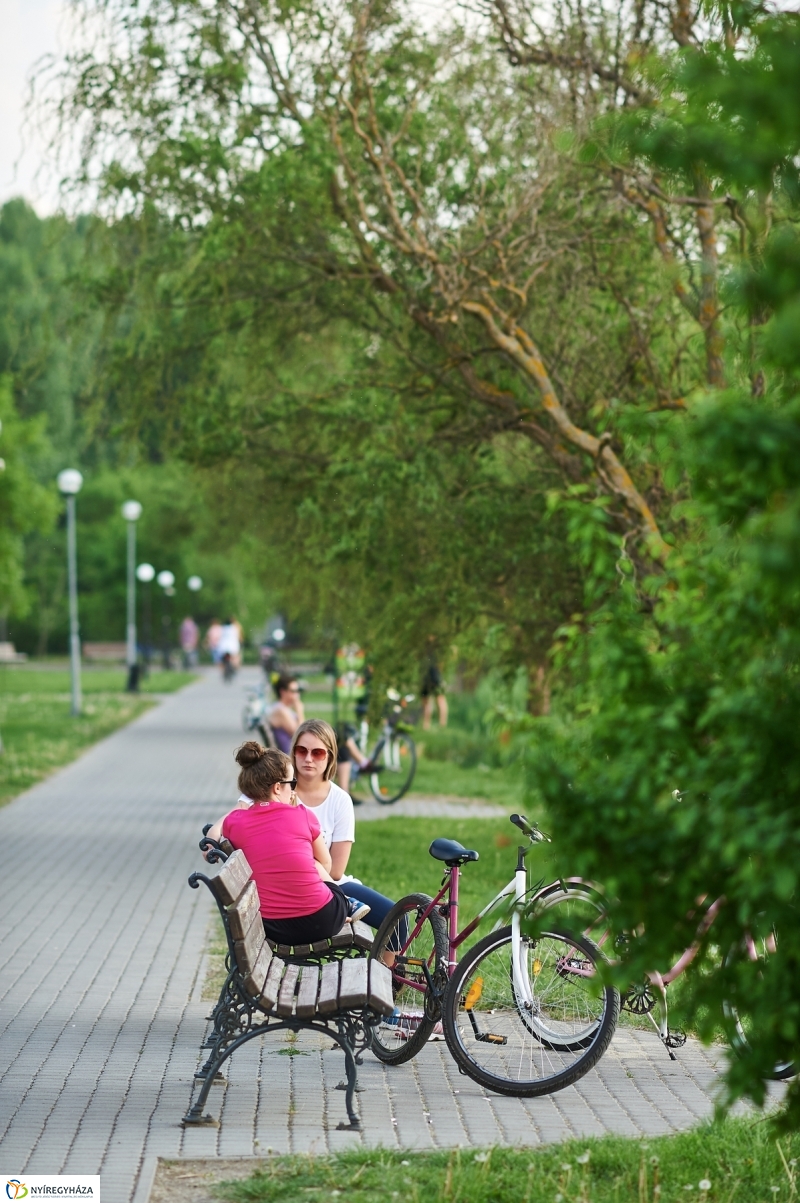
(69,485)
(132,512)
(145,573)
(166,580)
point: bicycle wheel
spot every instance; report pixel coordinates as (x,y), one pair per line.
(537,1037)
(417,962)
(397,756)
(737,1025)
(573,906)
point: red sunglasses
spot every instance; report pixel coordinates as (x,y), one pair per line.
(314,753)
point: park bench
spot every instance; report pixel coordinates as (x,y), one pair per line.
(330,987)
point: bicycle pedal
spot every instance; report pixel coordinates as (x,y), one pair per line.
(492,1038)
(675,1039)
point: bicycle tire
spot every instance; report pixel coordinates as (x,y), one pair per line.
(535,1056)
(737,1034)
(573,906)
(401,1035)
(399,755)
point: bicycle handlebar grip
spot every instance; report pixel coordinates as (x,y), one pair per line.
(523,824)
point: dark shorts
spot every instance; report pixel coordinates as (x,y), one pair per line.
(432,683)
(306,929)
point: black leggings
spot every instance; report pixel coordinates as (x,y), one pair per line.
(307,929)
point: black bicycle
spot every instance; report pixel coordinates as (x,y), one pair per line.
(393,759)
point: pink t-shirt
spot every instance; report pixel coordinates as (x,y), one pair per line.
(277,839)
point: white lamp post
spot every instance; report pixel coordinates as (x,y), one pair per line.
(166,580)
(131,512)
(69,484)
(146,573)
(195,583)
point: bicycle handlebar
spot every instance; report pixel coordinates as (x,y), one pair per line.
(529,829)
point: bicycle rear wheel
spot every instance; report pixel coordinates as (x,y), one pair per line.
(534,1037)
(397,756)
(415,962)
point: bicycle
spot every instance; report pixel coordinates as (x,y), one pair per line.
(393,759)
(521,1015)
(583,906)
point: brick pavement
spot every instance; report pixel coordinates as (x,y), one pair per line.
(101,956)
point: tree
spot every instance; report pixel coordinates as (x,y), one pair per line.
(702,694)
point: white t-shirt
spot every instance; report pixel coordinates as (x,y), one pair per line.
(335,816)
(228,641)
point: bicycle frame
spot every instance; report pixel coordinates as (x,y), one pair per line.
(517,889)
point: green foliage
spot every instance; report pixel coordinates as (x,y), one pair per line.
(24,505)
(736,1159)
(696,687)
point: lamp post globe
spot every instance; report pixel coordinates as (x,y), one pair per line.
(195,583)
(166,579)
(131,512)
(69,483)
(145,573)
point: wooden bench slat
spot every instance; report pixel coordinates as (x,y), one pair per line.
(246,951)
(286,993)
(269,995)
(243,912)
(306,1005)
(343,938)
(231,878)
(380,988)
(353,981)
(328,1000)
(255,979)
(363,936)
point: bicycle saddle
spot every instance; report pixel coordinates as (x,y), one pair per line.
(451,852)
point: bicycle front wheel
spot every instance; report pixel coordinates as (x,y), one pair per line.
(534,1036)
(397,760)
(417,961)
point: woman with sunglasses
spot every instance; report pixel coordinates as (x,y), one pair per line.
(315,755)
(284,847)
(287,714)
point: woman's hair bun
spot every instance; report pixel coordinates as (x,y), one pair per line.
(249,753)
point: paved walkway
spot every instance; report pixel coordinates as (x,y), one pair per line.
(101,949)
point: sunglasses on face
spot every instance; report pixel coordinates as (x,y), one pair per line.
(292,783)
(314,753)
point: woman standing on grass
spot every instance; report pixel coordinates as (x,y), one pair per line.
(314,754)
(284,847)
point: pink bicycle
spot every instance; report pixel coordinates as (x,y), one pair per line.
(522,1015)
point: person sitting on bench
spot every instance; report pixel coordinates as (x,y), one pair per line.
(285,849)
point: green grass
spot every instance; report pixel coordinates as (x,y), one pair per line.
(501,785)
(39,733)
(736,1161)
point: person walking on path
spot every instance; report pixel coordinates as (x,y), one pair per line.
(433,688)
(189,637)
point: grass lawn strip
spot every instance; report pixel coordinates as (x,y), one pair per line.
(39,733)
(735,1161)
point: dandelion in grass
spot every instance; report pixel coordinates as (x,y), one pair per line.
(774,1189)
(704,1184)
(584,1158)
(559,1198)
(565,1165)
(481,1156)
(405,1163)
(654,1161)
